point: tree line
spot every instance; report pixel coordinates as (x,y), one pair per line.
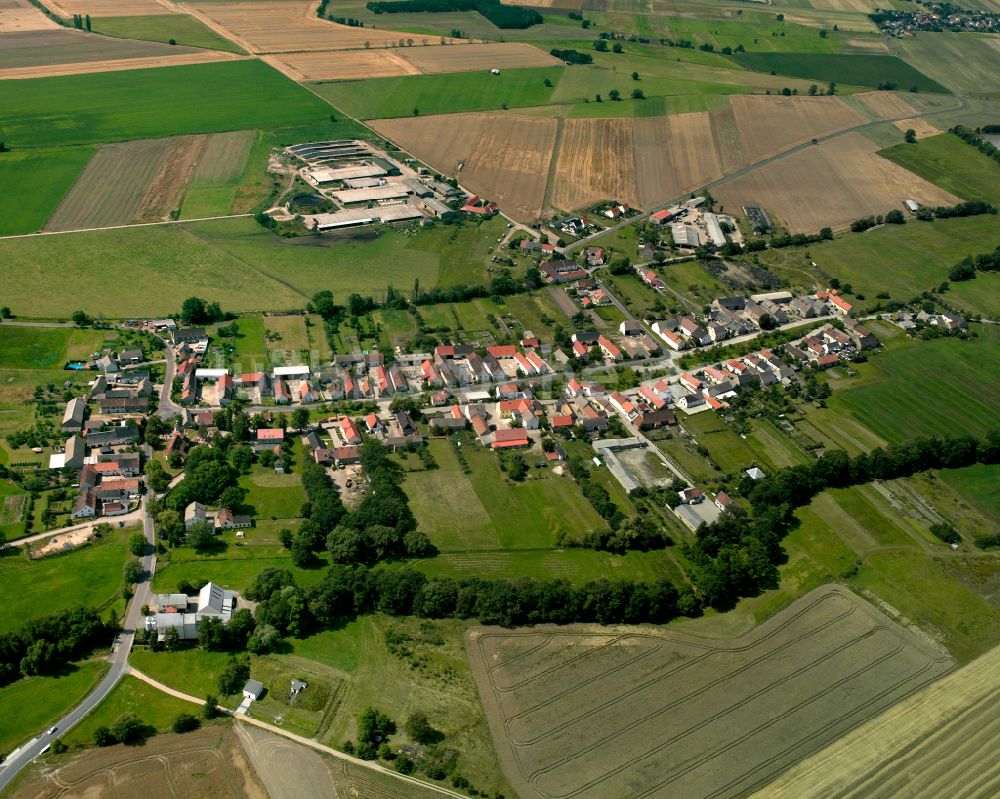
(973,138)
(966,268)
(738,555)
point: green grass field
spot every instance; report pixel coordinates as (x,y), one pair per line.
(182,28)
(167,101)
(45,348)
(153,707)
(964,62)
(44,176)
(233,261)
(856,69)
(88,577)
(950,163)
(926,387)
(192,671)
(903,260)
(378,98)
(980,486)
(273,495)
(30,705)
(756,32)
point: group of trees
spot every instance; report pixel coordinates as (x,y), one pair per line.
(966,268)
(572,56)
(972,137)
(45,646)
(347,591)
(507,17)
(738,555)
(195,311)
(382,526)
(322,510)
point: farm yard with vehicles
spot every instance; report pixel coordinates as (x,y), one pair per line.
(463,398)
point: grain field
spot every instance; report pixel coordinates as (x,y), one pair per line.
(941,741)
(921,127)
(830,185)
(596,162)
(591,713)
(728,144)
(503,157)
(886,105)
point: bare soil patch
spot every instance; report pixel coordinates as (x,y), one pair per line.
(598,712)
(886,105)
(571,5)
(769,125)
(116,65)
(830,185)
(502,157)
(206,763)
(164,193)
(111,188)
(63,542)
(937,742)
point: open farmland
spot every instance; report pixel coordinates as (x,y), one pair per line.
(20,15)
(856,69)
(113,186)
(950,163)
(161,27)
(597,712)
(469,58)
(644,161)
(45,176)
(886,105)
(440,94)
(107,8)
(938,742)
(963,62)
(66,46)
(207,762)
(343,65)
(769,125)
(506,157)
(120,65)
(152,102)
(829,185)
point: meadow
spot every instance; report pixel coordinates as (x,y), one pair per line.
(45,348)
(233,261)
(379,98)
(964,62)
(950,163)
(182,28)
(926,387)
(88,577)
(856,69)
(43,175)
(979,485)
(192,671)
(144,103)
(756,32)
(919,254)
(31,704)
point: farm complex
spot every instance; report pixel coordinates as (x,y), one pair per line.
(431,399)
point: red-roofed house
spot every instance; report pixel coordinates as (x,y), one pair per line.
(654,399)
(479,425)
(690,382)
(609,348)
(623,405)
(841,305)
(373,423)
(502,350)
(267,437)
(510,439)
(349,431)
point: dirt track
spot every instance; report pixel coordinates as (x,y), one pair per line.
(164,192)
(596,712)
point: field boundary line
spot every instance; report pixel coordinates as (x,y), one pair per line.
(121,227)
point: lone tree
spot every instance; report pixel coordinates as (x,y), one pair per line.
(910,136)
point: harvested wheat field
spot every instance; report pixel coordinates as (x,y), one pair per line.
(22,16)
(471,57)
(629,712)
(769,125)
(568,5)
(117,65)
(66,46)
(921,127)
(109,8)
(830,185)
(206,763)
(644,161)
(506,157)
(343,65)
(886,105)
(293,27)
(938,742)
(728,143)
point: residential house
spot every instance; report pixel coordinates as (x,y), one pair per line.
(691,496)
(594,256)
(610,350)
(349,430)
(76,410)
(623,405)
(194,513)
(510,439)
(555,272)
(267,438)
(225,519)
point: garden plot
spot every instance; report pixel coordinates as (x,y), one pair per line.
(593,712)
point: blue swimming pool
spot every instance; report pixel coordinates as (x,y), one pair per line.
(76,366)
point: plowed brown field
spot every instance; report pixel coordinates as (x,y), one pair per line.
(886,105)
(939,742)
(207,763)
(591,713)
(506,157)
(830,185)
(768,124)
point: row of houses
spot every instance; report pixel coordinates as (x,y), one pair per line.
(107,486)
(828,345)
